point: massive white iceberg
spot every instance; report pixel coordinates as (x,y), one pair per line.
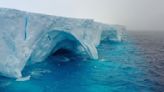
(33,37)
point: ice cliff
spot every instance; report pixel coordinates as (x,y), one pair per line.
(33,37)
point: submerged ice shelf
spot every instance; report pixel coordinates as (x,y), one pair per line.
(30,37)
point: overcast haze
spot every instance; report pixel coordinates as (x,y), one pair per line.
(134,14)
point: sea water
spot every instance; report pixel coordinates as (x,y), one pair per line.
(134,65)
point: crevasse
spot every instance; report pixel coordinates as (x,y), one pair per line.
(33,37)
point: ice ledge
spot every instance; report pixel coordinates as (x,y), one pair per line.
(29,36)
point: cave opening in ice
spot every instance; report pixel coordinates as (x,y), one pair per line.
(62,51)
(55,43)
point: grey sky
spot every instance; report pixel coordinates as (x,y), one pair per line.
(135,14)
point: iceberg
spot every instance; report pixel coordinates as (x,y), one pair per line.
(30,37)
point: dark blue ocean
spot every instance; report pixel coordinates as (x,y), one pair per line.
(134,65)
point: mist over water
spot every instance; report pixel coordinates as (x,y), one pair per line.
(135,65)
(151,45)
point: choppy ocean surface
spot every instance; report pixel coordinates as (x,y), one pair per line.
(135,65)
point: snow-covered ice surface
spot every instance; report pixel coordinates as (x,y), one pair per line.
(27,38)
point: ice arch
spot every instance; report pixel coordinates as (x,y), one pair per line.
(54,40)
